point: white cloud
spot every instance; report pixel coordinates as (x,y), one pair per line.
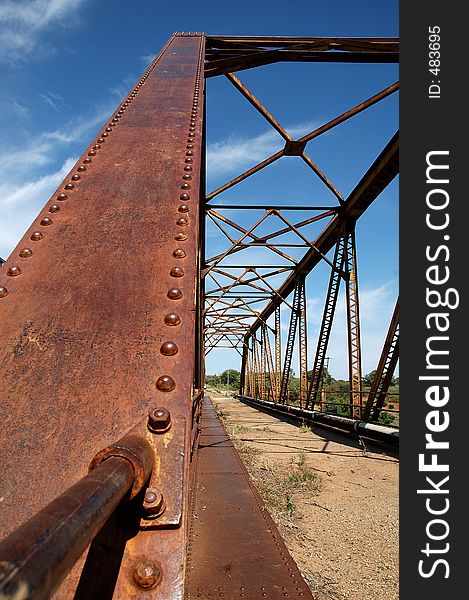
(19,110)
(19,204)
(23,23)
(55,101)
(235,153)
(47,145)
(147,59)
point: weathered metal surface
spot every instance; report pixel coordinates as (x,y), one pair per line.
(234,547)
(168,476)
(85,321)
(236,53)
(36,557)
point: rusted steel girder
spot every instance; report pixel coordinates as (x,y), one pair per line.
(385,369)
(375,180)
(227,54)
(98,305)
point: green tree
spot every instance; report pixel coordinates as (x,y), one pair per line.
(231,378)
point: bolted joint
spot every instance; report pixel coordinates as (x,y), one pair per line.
(159,420)
(147,574)
(135,449)
(153,503)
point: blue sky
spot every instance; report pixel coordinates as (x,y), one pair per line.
(65,64)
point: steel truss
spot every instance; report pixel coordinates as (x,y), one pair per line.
(241,297)
(108,304)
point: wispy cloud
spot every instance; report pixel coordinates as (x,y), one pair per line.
(19,110)
(147,59)
(45,147)
(236,153)
(23,24)
(55,101)
(19,204)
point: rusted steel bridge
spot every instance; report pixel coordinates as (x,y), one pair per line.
(116,481)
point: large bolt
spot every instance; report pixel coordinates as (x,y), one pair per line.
(159,420)
(147,574)
(153,503)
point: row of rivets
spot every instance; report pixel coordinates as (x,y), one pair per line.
(14,270)
(166,383)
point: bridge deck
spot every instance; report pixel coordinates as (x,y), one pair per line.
(234,547)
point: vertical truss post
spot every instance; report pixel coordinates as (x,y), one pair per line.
(257,368)
(303,347)
(278,353)
(248,376)
(290,343)
(327,319)
(385,369)
(244,377)
(263,365)
(270,385)
(353,327)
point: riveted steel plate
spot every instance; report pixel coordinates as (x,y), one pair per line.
(84,322)
(235,549)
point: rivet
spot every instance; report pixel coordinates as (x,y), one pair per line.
(174,294)
(172,319)
(182,222)
(150,496)
(112,125)
(14,271)
(75,177)
(46,221)
(108,129)
(179,253)
(165,383)
(185,186)
(105,135)
(169,349)
(101,140)
(97,147)
(115,119)
(184,197)
(189,160)
(26,252)
(180,237)
(81,168)
(187,177)
(87,161)
(54,208)
(92,153)
(146,574)
(190,153)
(176,272)
(183,208)
(36,236)
(186,168)
(191,128)
(189,146)
(69,186)
(62,196)
(3,291)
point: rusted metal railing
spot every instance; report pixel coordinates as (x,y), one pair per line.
(36,557)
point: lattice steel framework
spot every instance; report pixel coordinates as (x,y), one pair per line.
(241,296)
(108,303)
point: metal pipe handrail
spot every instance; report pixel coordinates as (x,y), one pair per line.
(37,556)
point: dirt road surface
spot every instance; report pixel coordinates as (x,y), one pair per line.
(334,500)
